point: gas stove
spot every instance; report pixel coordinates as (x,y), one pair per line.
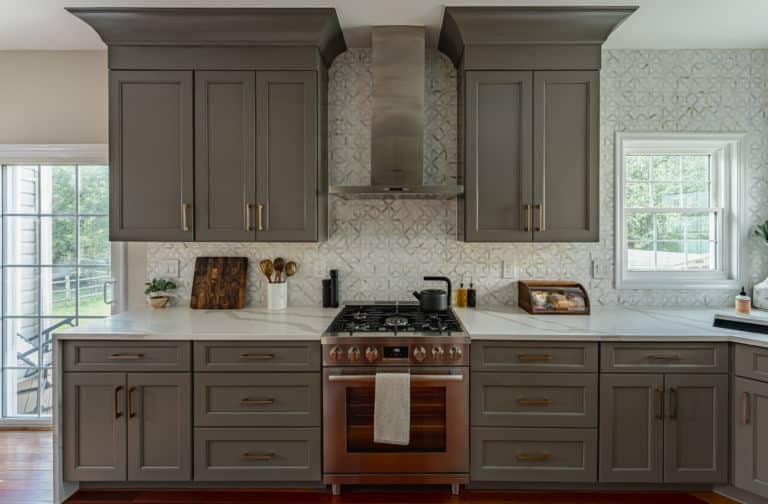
(394,334)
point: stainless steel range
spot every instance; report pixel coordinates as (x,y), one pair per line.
(366,339)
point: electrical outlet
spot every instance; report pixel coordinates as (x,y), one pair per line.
(600,269)
(508,270)
(169,268)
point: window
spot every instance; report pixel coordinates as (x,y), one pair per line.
(677,205)
(56,268)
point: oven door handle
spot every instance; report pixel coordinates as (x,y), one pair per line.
(414,378)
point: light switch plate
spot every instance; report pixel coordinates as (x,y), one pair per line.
(169,268)
(600,269)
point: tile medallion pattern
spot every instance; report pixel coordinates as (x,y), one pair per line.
(383,248)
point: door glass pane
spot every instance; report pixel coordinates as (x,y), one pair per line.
(21,342)
(22,391)
(91,291)
(428,427)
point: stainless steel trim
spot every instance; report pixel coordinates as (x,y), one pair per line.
(448,191)
(414,378)
(392,339)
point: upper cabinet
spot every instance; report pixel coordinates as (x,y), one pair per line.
(529,113)
(218,122)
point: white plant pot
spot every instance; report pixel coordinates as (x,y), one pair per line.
(277,296)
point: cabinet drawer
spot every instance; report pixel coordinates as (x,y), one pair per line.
(113,355)
(538,357)
(257,399)
(268,356)
(257,455)
(534,400)
(522,455)
(664,358)
(751,362)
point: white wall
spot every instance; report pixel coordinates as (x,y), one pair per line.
(60,97)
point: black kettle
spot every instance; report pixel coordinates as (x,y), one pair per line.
(434,300)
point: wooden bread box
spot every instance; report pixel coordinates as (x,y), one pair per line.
(546,297)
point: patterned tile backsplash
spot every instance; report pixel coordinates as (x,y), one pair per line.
(383,248)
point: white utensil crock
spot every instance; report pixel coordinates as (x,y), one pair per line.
(277,296)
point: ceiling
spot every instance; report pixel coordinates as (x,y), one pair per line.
(658,24)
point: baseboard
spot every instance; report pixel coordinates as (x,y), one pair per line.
(214,485)
(25,428)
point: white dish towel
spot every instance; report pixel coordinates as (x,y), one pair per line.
(392,409)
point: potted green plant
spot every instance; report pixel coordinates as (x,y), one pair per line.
(761,230)
(157,292)
(760,291)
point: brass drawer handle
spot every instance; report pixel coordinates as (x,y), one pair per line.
(528,217)
(534,357)
(665,357)
(115,401)
(534,402)
(745,409)
(184,223)
(540,220)
(260,209)
(673,403)
(257,456)
(248,208)
(250,356)
(118,356)
(540,457)
(660,404)
(256,402)
(131,413)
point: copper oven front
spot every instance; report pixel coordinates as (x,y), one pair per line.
(439,436)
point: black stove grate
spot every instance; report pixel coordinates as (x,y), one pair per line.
(392,318)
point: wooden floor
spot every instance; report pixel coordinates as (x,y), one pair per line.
(26,478)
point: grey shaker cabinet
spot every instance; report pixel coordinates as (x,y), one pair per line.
(95,426)
(631,428)
(151,155)
(531,156)
(159,426)
(566,155)
(750,471)
(225,155)
(287,156)
(498,180)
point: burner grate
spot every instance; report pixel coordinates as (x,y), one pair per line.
(392,318)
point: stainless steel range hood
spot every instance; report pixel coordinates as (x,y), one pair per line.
(397,126)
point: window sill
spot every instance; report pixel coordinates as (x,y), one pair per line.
(667,284)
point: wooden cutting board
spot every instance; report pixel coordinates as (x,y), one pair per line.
(219,283)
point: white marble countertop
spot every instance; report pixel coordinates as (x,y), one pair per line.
(181,323)
(488,323)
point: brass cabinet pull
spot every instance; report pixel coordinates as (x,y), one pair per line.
(539,457)
(248,208)
(540,220)
(673,403)
(660,404)
(115,409)
(528,217)
(131,413)
(260,208)
(184,223)
(256,356)
(534,357)
(745,409)
(534,402)
(256,456)
(118,356)
(256,402)
(673,357)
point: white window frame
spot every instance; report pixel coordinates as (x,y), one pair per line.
(727,153)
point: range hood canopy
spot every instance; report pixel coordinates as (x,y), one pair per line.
(397,127)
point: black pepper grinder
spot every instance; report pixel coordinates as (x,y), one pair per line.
(334,288)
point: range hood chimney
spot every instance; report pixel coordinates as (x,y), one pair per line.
(397,127)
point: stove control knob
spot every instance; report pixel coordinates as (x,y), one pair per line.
(455,353)
(419,353)
(336,354)
(371,354)
(353,354)
(438,353)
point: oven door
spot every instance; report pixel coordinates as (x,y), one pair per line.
(439,436)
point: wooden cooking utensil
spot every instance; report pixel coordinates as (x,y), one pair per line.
(279,265)
(267,268)
(290,268)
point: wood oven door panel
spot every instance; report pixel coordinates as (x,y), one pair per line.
(439,423)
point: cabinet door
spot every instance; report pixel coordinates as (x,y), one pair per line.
(498,164)
(566,156)
(159,426)
(750,470)
(151,165)
(225,156)
(94,419)
(286,156)
(631,428)
(696,429)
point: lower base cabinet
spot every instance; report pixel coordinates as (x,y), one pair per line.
(547,455)
(258,454)
(750,471)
